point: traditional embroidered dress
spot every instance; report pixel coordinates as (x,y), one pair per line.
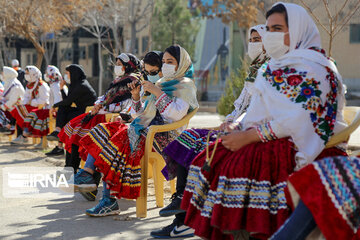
(27,114)
(118,148)
(192,141)
(53,77)
(296,106)
(330,188)
(12,95)
(116,99)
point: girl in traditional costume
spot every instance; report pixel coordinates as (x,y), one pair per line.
(32,115)
(12,96)
(296,106)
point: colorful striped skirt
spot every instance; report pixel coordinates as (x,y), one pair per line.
(109,144)
(36,121)
(5,117)
(184,149)
(20,112)
(244,190)
(330,188)
(74,130)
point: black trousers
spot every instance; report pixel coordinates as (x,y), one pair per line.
(65,114)
(73,159)
(181,175)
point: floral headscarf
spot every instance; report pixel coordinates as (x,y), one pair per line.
(52,74)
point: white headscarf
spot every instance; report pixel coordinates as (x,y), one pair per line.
(261,29)
(276,95)
(9,76)
(35,77)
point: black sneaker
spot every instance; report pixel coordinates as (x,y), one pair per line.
(91,196)
(5,130)
(56,152)
(174,230)
(53,136)
(174,207)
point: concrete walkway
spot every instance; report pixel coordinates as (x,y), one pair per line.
(64,218)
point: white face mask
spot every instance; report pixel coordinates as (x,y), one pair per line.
(46,78)
(168,70)
(274,44)
(255,49)
(67,79)
(28,78)
(119,71)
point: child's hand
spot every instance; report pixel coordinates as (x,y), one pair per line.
(135,90)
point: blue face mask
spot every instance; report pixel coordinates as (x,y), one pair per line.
(154,78)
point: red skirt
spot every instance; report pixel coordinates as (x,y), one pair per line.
(330,188)
(37,122)
(20,112)
(75,130)
(244,190)
(109,144)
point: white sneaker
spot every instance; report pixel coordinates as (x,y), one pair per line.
(182,231)
(40,145)
(20,140)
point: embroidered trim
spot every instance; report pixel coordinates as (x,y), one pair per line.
(265,132)
(136,105)
(340,177)
(163,102)
(234,193)
(300,89)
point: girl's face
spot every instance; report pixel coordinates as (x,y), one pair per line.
(255,37)
(169,59)
(119,63)
(276,22)
(152,70)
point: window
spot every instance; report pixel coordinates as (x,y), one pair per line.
(28,59)
(137,46)
(82,52)
(354,33)
(145,43)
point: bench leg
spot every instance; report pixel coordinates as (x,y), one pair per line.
(159,181)
(141,201)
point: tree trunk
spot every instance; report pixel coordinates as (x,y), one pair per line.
(331,37)
(100,67)
(117,41)
(133,37)
(39,49)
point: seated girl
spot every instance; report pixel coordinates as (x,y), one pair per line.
(12,96)
(295,108)
(152,63)
(179,154)
(81,94)
(114,100)
(116,149)
(31,116)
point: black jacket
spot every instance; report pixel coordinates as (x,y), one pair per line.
(80,91)
(21,76)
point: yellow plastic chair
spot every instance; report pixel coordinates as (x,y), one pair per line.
(352,117)
(158,163)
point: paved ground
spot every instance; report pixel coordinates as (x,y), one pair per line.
(64,218)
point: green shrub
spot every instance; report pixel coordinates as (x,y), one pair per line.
(233,88)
